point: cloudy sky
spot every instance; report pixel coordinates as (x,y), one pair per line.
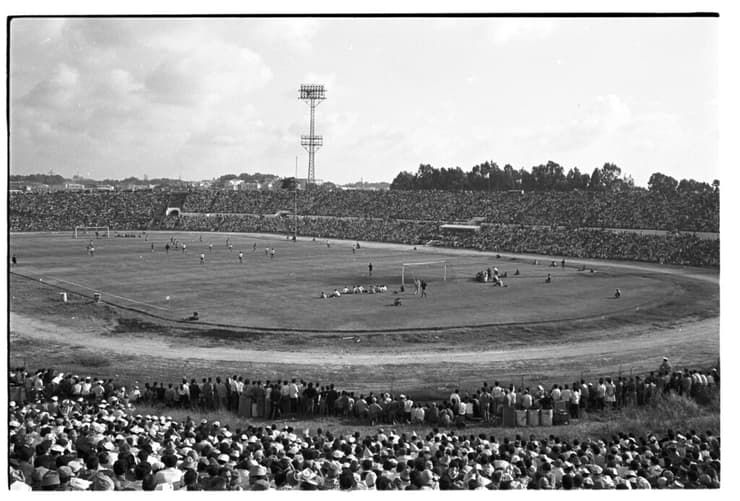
(200,97)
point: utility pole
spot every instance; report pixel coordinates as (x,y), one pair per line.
(295,202)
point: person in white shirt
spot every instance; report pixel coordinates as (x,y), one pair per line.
(526,400)
(610,399)
(417,414)
(555,393)
(455,399)
(600,394)
(575,401)
(86,387)
(169,474)
(293,392)
(408,404)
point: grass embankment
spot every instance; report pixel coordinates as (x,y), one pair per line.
(668,411)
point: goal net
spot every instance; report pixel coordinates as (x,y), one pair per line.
(92,231)
(427,271)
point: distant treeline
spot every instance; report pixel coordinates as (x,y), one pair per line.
(551,176)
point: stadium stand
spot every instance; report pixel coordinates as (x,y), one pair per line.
(571,224)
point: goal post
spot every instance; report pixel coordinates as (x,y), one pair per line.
(430,268)
(87,231)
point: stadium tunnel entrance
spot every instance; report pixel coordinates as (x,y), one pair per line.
(173,211)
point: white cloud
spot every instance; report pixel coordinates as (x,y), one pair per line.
(55,91)
(599,117)
(211,72)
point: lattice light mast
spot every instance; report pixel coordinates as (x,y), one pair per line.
(312,94)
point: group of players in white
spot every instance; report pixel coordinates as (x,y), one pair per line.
(357,289)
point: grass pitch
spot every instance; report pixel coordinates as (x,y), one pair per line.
(282,292)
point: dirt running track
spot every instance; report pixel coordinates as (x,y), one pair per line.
(615,342)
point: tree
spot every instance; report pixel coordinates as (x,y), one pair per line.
(510,177)
(660,183)
(691,186)
(575,180)
(404,181)
(288,183)
(596,183)
(610,176)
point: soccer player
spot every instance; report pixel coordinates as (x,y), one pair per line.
(183,248)
(202,258)
(272,253)
(241,257)
(254,247)
(548,279)
(200,238)
(267,251)
(152,246)
(167,248)
(370,269)
(231,247)
(13,260)
(227,241)
(618,293)
(210,248)
(562,263)
(423,288)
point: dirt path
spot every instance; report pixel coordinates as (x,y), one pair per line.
(619,341)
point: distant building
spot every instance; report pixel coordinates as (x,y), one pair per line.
(235,184)
(74,187)
(104,187)
(138,187)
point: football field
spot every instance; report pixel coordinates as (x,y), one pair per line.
(282,292)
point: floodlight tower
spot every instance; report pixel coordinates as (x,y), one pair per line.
(313,95)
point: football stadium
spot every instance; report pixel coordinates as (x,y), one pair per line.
(490,329)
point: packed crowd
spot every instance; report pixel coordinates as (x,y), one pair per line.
(60,211)
(273,399)
(684,249)
(59,441)
(636,209)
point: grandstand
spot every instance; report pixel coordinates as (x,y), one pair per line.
(506,214)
